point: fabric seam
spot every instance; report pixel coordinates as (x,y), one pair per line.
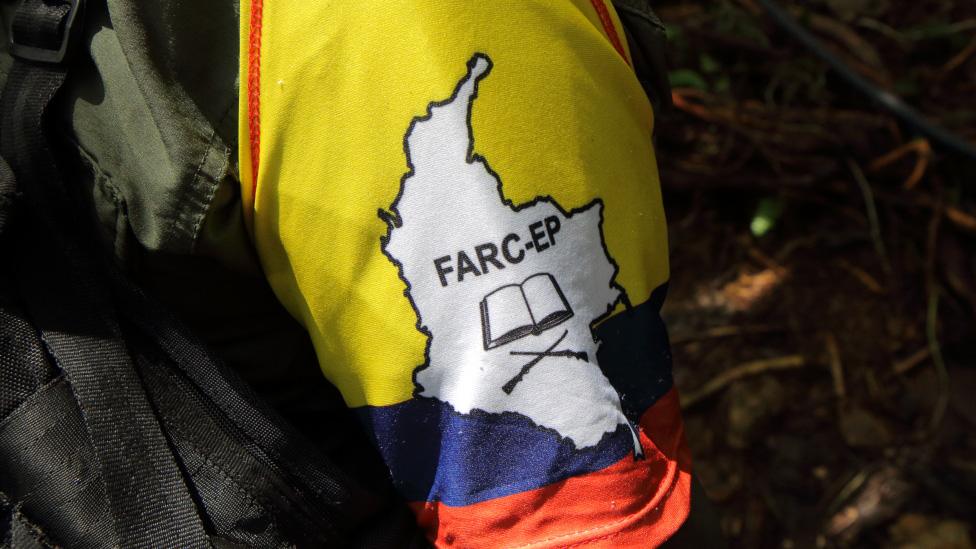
(32,529)
(35,396)
(214,180)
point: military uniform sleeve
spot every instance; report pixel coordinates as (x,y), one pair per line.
(460,202)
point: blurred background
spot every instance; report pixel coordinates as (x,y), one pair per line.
(823,293)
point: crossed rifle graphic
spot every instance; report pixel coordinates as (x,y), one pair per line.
(533,306)
(539,355)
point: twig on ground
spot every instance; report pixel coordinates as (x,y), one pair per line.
(807,241)
(726,331)
(932,319)
(958,217)
(680,96)
(941,374)
(836,367)
(872,214)
(761,257)
(751,7)
(951,28)
(883,98)
(957,60)
(916,358)
(961,219)
(724,379)
(858,52)
(873,496)
(923,153)
(885,30)
(861,276)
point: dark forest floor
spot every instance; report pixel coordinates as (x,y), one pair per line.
(823,293)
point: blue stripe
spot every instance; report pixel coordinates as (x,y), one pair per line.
(437,454)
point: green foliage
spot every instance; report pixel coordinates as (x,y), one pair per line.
(956,34)
(730,19)
(708,64)
(803,78)
(767,214)
(849,10)
(673,33)
(907,86)
(932,30)
(687,78)
(710,71)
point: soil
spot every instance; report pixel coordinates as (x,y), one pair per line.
(823,295)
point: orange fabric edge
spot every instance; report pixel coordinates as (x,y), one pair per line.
(254,91)
(560,514)
(609,27)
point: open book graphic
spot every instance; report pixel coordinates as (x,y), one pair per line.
(514,311)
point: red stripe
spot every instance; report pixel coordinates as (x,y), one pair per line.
(611,30)
(632,503)
(254,91)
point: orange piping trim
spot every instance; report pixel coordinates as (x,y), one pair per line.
(254,92)
(611,30)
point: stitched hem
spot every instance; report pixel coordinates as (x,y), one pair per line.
(654,517)
(213,180)
(613,529)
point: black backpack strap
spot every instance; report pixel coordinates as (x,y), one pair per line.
(647,41)
(8,193)
(24,534)
(151,505)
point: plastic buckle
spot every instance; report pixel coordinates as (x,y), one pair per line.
(69,32)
